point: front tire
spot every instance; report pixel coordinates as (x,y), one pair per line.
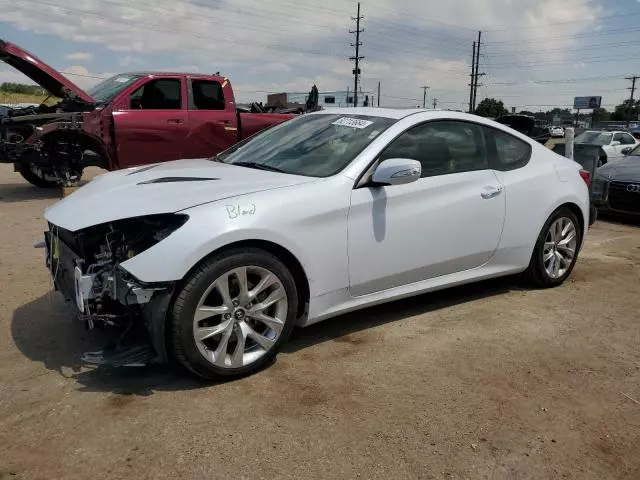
(34,179)
(556,249)
(233,314)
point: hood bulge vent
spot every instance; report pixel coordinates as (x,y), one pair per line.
(176,180)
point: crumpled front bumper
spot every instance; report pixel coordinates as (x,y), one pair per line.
(153,302)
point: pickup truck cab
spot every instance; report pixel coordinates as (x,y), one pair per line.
(127,120)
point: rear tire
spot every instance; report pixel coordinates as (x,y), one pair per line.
(556,250)
(220,326)
(34,179)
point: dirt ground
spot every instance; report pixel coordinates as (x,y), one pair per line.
(485,381)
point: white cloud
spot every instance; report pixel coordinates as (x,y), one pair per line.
(285,45)
(129,60)
(79,56)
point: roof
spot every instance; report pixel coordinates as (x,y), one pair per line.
(395,113)
(159,73)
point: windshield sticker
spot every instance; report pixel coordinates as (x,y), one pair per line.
(352,122)
(121,79)
(373,134)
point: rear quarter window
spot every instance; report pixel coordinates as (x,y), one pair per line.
(509,152)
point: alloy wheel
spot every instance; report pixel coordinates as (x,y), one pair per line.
(559,247)
(240,316)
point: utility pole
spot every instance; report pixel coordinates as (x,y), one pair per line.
(435,103)
(424,96)
(633,91)
(477,75)
(357,58)
(473,76)
(378,93)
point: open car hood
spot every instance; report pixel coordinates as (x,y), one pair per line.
(41,73)
(161,188)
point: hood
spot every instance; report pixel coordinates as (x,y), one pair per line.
(160,188)
(41,73)
(626,169)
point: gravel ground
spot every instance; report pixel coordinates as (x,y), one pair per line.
(484,381)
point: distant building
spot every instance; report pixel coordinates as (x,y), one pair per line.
(325,99)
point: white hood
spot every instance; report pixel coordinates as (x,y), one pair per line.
(160,188)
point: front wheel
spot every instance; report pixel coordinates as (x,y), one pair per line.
(556,249)
(35,179)
(233,314)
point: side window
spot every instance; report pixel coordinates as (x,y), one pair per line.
(207,95)
(627,139)
(618,137)
(161,94)
(510,152)
(441,147)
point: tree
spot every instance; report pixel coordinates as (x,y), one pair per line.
(490,107)
(9,87)
(601,115)
(623,113)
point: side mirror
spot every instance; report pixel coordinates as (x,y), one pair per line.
(626,150)
(615,143)
(397,171)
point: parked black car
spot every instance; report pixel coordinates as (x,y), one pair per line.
(616,186)
(526,125)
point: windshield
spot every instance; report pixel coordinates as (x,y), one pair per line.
(310,145)
(635,152)
(107,90)
(594,138)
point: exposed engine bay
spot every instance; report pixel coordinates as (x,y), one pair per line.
(86,269)
(41,142)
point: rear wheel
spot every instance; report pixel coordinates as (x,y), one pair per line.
(34,179)
(233,314)
(556,249)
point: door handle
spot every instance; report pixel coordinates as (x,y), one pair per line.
(492,191)
(175,120)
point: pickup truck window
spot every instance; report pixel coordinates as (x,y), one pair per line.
(207,95)
(161,94)
(107,90)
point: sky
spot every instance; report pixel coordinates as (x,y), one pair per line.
(536,54)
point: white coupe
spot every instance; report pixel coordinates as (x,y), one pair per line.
(613,144)
(212,262)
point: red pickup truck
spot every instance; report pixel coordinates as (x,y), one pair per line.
(129,119)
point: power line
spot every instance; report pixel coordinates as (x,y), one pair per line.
(567,37)
(164,29)
(566,50)
(356,59)
(568,80)
(527,27)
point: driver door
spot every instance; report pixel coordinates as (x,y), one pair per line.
(448,221)
(153,126)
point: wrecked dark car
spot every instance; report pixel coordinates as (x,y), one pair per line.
(526,125)
(127,120)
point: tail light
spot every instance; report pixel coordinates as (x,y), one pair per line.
(586,176)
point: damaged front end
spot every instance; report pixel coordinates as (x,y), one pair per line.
(86,268)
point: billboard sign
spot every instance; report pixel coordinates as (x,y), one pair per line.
(585,103)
